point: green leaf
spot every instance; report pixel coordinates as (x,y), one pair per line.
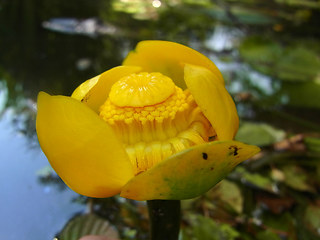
(259,134)
(297,178)
(302,94)
(298,63)
(312,218)
(242,14)
(295,62)
(256,179)
(230,194)
(312,143)
(87,225)
(203,228)
(267,235)
(283,222)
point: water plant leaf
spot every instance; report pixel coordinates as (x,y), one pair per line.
(241,14)
(297,178)
(89,224)
(267,235)
(302,94)
(230,194)
(312,143)
(312,218)
(255,179)
(206,228)
(288,63)
(260,134)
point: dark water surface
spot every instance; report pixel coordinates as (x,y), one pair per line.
(268,51)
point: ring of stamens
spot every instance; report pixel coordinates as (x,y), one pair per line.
(152,133)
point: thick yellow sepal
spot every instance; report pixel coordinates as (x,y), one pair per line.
(213,99)
(81,147)
(168,58)
(84,88)
(190,173)
(98,88)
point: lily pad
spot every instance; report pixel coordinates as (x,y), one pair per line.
(302,94)
(267,235)
(297,178)
(230,194)
(204,228)
(259,134)
(313,144)
(287,63)
(87,225)
(255,179)
(241,14)
(312,218)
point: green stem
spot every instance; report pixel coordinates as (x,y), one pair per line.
(164,219)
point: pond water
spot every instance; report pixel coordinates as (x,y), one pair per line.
(29,210)
(269,54)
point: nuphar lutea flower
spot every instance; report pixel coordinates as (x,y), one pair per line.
(158,127)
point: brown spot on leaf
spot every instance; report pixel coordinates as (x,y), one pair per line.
(205,156)
(235,150)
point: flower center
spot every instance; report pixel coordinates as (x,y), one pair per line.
(153,118)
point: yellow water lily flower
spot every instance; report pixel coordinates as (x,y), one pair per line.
(158,127)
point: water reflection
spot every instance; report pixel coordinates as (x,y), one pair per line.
(269,55)
(89,27)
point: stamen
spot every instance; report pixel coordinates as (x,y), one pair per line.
(152,133)
(140,90)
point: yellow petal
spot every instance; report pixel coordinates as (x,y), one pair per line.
(84,88)
(167,58)
(213,99)
(99,92)
(81,148)
(190,173)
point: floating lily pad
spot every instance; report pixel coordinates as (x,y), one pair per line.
(313,144)
(312,219)
(287,63)
(280,223)
(230,194)
(256,179)
(203,228)
(297,178)
(87,225)
(259,134)
(241,14)
(267,235)
(302,94)
(300,3)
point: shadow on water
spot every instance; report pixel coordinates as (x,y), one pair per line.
(269,53)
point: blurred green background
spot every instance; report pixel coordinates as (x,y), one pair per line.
(269,54)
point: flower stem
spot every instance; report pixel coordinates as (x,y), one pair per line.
(164,219)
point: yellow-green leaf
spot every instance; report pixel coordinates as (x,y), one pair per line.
(190,173)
